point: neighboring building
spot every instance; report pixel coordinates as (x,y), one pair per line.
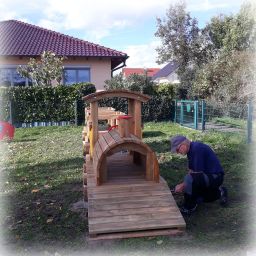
(167,74)
(139,71)
(86,62)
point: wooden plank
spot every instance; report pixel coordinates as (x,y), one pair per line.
(134,218)
(175,222)
(128,189)
(103,143)
(120,212)
(136,234)
(115,135)
(126,199)
(137,204)
(141,184)
(117,194)
(109,139)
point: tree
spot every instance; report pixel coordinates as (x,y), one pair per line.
(45,71)
(182,41)
(232,32)
(228,76)
(133,82)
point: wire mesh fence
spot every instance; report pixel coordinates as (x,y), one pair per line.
(209,115)
(190,113)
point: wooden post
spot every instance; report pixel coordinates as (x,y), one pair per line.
(131,113)
(94,119)
(249,122)
(137,119)
(203,115)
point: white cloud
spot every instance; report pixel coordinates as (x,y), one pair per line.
(142,56)
(206,5)
(98,18)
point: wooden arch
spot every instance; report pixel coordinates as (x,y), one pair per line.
(120,93)
(111,143)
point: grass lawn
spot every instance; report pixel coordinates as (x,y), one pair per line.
(41,174)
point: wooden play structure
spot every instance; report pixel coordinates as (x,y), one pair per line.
(126,195)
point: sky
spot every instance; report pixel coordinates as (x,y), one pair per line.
(124,25)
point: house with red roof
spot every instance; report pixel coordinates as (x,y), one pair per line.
(150,72)
(85,61)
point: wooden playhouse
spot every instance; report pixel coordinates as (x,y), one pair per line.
(126,195)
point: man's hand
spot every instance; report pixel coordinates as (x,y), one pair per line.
(180,188)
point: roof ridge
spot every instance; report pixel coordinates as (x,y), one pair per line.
(61,34)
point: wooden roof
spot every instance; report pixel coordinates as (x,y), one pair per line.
(120,93)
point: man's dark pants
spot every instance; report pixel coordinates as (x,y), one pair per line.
(201,187)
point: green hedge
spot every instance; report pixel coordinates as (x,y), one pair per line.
(46,104)
(158,108)
(33,104)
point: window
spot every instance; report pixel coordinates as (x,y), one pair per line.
(10,77)
(76,75)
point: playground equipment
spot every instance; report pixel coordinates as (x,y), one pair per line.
(6,130)
(126,195)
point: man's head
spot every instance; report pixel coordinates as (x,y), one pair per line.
(180,144)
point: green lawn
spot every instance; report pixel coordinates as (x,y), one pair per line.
(42,177)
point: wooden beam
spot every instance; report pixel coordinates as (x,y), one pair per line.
(120,93)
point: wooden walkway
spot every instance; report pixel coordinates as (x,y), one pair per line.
(127,205)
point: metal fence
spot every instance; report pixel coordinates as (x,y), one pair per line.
(190,113)
(203,115)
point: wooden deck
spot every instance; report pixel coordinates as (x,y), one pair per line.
(127,205)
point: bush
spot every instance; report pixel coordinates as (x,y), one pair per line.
(33,104)
(156,109)
(165,89)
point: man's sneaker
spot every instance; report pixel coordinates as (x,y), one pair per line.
(187,211)
(223,196)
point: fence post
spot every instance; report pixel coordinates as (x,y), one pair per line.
(11,121)
(196,114)
(175,110)
(249,122)
(181,112)
(203,115)
(76,119)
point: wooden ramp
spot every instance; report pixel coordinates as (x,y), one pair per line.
(129,206)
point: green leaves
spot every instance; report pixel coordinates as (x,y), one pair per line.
(31,104)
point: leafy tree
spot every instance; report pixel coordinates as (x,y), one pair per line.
(116,82)
(45,71)
(233,32)
(182,41)
(229,73)
(134,82)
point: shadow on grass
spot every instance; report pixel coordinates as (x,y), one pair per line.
(23,140)
(148,134)
(159,146)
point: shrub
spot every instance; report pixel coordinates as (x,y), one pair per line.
(31,104)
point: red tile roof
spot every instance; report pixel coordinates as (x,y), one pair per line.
(140,71)
(22,39)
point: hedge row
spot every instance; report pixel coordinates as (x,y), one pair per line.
(63,103)
(34,104)
(158,108)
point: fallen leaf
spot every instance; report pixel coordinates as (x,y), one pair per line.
(35,190)
(50,220)
(159,242)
